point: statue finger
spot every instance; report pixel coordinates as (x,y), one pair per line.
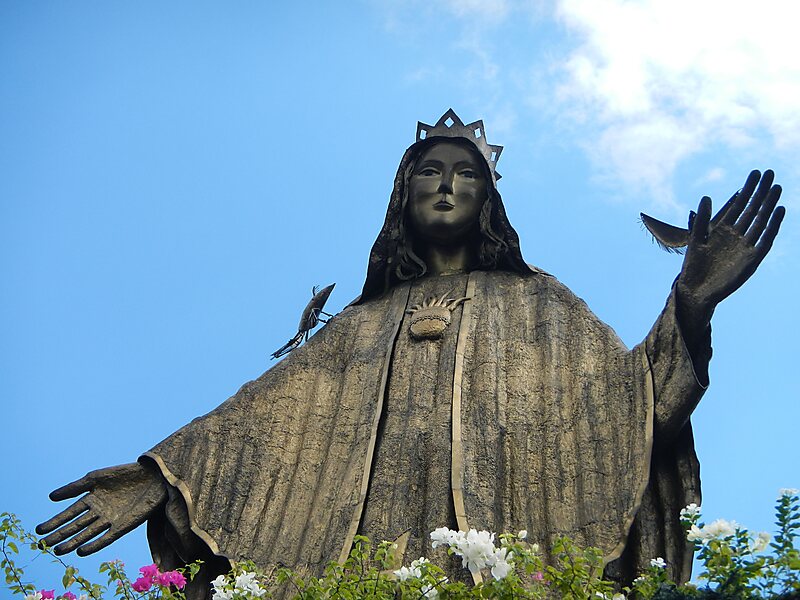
(724,210)
(764,213)
(71,490)
(84,536)
(765,243)
(65,516)
(70,529)
(742,198)
(750,212)
(104,540)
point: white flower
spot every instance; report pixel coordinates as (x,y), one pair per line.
(476,549)
(659,563)
(502,563)
(473,559)
(761,542)
(522,534)
(535,548)
(720,529)
(414,571)
(639,579)
(442,536)
(404,573)
(788,492)
(220,594)
(429,591)
(618,597)
(246,582)
(692,510)
(258,591)
(34,596)
(415,564)
(695,534)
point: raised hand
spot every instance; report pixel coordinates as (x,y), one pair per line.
(724,252)
(119,499)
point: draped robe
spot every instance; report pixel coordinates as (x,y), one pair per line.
(529,413)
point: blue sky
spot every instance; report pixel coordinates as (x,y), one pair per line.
(175,177)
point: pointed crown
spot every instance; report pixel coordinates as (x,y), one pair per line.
(449,125)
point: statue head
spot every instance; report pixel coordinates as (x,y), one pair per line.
(445,193)
(448,196)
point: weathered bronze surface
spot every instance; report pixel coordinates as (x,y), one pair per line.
(508,406)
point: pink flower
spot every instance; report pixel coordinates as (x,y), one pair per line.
(142,584)
(68,596)
(150,572)
(538,576)
(48,594)
(171,578)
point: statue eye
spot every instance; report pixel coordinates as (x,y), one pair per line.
(428,172)
(468,173)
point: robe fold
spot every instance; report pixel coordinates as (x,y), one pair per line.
(536,417)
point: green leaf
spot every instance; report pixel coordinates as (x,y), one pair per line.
(68,579)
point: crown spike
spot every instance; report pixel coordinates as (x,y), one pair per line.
(450,125)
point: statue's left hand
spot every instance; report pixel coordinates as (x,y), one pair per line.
(722,254)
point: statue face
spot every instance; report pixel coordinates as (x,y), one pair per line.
(446,193)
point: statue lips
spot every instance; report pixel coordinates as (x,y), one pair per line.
(443,204)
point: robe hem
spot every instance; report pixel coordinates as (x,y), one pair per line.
(178,484)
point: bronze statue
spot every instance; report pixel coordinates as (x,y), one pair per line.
(463,388)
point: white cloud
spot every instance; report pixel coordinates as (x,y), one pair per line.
(658,81)
(711,176)
(646,87)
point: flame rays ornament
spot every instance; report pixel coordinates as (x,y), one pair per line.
(432,317)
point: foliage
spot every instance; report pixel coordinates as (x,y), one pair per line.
(735,562)
(151,585)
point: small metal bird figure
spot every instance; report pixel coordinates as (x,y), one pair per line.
(675,239)
(308,320)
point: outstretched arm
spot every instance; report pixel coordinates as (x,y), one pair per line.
(116,501)
(722,254)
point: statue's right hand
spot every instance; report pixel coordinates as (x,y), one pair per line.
(117,500)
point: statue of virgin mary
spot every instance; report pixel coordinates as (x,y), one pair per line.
(464,388)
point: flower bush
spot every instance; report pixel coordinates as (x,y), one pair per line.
(736,564)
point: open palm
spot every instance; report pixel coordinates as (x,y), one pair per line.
(724,252)
(117,500)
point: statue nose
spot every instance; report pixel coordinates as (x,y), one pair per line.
(446,185)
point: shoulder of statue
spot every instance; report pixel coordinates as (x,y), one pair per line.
(541,282)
